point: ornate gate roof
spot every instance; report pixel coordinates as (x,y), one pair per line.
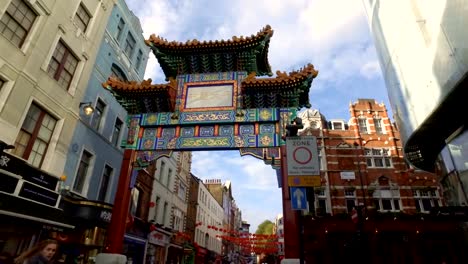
(249,54)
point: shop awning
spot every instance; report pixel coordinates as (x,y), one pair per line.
(37,219)
(25,209)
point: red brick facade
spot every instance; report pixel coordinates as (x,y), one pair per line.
(362,163)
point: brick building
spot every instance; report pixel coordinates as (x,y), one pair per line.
(363,167)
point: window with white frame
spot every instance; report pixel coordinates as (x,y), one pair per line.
(350,197)
(82,18)
(165,208)
(106,177)
(62,65)
(426,199)
(117,72)
(139,58)
(161,171)
(156,207)
(362,122)
(321,201)
(387,200)
(378,158)
(17,21)
(177,220)
(135,202)
(34,137)
(83,171)
(98,114)
(378,125)
(169,176)
(116,132)
(337,125)
(182,192)
(120,28)
(130,43)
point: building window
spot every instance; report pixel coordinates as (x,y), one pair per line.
(17,21)
(116,132)
(350,196)
(138,60)
(62,65)
(169,175)
(378,125)
(182,192)
(35,134)
(362,125)
(118,73)
(2,82)
(165,208)
(156,207)
(161,171)
(106,176)
(120,28)
(387,200)
(425,200)
(82,18)
(337,125)
(378,158)
(129,45)
(98,114)
(82,173)
(135,203)
(321,202)
(177,223)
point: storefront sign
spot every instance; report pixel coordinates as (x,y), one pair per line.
(105,216)
(158,238)
(40,178)
(38,194)
(29,173)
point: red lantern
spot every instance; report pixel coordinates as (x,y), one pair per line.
(152,227)
(152,204)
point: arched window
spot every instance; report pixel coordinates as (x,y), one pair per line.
(117,72)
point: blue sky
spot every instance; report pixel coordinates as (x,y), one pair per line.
(333,35)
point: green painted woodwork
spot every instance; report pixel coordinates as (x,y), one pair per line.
(248,58)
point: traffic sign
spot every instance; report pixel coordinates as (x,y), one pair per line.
(298,198)
(304,181)
(302,156)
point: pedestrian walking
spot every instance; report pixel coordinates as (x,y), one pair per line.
(42,253)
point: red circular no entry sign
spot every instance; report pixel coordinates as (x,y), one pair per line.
(302,155)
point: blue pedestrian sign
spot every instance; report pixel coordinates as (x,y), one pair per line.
(298,198)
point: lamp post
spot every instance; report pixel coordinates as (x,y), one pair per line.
(291,131)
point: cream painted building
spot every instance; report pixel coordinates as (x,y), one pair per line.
(209,213)
(48,49)
(170,190)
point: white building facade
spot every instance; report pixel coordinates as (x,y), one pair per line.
(209,213)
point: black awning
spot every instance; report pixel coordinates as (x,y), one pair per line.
(25,209)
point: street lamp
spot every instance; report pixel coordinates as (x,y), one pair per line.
(88,109)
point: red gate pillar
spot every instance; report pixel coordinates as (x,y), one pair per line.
(290,217)
(116,230)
